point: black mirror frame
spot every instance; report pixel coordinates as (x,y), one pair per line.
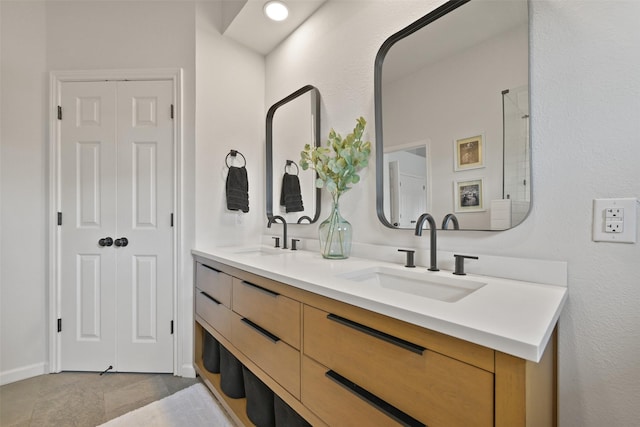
(269,154)
(377,82)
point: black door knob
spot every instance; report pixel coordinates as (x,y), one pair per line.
(107,241)
(123,241)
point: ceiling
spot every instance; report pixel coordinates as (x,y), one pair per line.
(245,22)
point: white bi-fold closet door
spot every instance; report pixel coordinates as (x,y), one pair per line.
(116,238)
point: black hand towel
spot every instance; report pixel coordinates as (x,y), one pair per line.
(290,196)
(237,189)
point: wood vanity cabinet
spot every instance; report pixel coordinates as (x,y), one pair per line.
(266,328)
(422,384)
(341,365)
(213,297)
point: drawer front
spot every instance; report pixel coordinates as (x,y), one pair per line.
(214,313)
(278,359)
(215,283)
(274,312)
(336,404)
(431,387)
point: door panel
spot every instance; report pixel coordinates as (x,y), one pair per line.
(145,203)
(144,299)
(144,186)
(88,294)
(117,181)
(413,199)
(87,159)
(89,188)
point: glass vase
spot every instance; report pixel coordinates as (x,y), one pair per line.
(335,235)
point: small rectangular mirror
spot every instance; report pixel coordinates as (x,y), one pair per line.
(291,123)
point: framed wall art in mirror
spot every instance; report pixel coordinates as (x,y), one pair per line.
(469,195)
(468,153)
(459,75)
(291,123)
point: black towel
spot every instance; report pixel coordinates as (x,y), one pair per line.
(237,189)
(290,196)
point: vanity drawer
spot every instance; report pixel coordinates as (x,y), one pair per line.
(214,282)
(278,359)
(274,312)
(336,404)
(431,387)
(213,312)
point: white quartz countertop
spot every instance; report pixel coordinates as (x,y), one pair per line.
(511,316)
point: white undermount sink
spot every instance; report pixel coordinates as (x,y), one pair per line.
(419,283)
(260,251)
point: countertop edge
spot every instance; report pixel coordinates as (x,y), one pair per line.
(531,351)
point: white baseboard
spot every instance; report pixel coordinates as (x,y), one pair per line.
(188,371)
(7,377)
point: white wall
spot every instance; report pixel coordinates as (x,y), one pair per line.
(230,115)
(23,97)
(585,96)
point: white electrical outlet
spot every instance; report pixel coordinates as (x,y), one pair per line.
(613,226)
(614,220)
(614,213)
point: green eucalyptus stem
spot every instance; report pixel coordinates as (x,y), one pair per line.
(337,164)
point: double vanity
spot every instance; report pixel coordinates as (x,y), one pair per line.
(368,342)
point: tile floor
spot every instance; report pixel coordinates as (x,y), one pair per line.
(82,399)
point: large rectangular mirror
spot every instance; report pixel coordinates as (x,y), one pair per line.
(291,123)
(452,117)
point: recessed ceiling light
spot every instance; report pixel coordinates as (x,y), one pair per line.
(276,10)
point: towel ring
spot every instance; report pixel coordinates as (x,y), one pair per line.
(233,153)
(288,165)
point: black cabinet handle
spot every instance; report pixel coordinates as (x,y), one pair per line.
(210,297)
(211,268)
(274,339)
(260,288)
(414,348)
(381,405)
(123,241)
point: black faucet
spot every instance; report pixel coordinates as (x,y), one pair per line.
(450,217)
(284,228)
(432,229)
(302,218)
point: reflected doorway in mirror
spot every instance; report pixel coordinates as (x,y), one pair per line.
(406,178)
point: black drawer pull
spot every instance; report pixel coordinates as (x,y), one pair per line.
(415,348)
(260,288)
(262,331)
(393,412)
(210,297)
(211,268)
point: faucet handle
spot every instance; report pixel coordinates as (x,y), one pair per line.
(277,244)
(293,244)
(410,263)
(459,268)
